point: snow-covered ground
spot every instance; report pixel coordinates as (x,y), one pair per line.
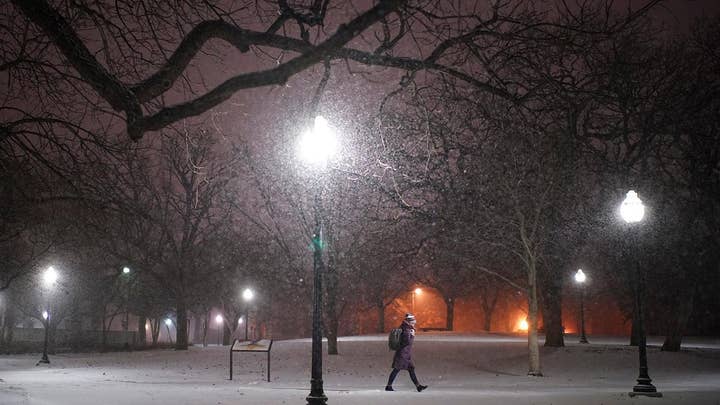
(459,368)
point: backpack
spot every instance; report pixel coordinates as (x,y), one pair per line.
(394,339)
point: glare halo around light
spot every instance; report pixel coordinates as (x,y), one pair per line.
(318,145)
(632,209)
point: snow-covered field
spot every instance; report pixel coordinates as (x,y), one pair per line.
(460,369)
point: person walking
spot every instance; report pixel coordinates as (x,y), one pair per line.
(403,356)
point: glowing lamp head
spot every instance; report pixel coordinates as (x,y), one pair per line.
(248,294)
(219,318)
(580,276)
(632,209)
(318,145)
(126,270)
(523,326)
(418,291)
(240,321)
(45,315)
(50,276)
(168,322)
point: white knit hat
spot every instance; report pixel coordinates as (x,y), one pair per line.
(409,317)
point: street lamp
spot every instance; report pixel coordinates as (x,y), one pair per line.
(580,279)
(50,276)
(415,292)
(247,295)
(168,324)
(632,211)
(219,322)
(126,273)
(315,148)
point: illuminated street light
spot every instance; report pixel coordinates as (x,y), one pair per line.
(126,326)
(50,276)
(415,292)
(580,279)
(316,147)
(523,326)
(247,296)
(168,324)
(632,211)
(219,322)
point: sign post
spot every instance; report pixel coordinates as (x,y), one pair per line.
(263,345)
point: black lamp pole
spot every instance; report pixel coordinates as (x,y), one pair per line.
(644,384)
(45,359)
(583,338)
(127,314)
(317,395)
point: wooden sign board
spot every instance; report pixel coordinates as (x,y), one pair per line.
(258,346)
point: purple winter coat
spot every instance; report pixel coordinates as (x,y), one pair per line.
(403,356)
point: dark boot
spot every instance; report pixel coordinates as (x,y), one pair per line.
(389,388)
(420,387)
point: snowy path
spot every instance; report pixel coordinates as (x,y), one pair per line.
(460,369)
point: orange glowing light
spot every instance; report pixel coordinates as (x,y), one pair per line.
(523,325)
(418,291)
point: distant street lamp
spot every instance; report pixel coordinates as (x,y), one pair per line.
(415,292)
(247,295)
(126,273)
(316,148)
(219,322)
(580,279)
(168,324)
(50,276)
(632,211)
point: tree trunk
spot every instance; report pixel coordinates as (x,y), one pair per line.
(205,323)
(381,316)
(552,308)
(534,350)
(6,333)
(181,327)
(488,308)
(155,328)
(449,313)
(674,336)
(142,332)
(76,333)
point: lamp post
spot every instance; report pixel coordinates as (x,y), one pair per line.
(219,322)
(168,324)
(632,211)
(316,147)
(580,279)
(415,292)
(247,295)
(50,276)
(126,274)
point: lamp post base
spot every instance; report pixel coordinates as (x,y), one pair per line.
(317,396)
(43,360)
(645,388)
(583,339)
